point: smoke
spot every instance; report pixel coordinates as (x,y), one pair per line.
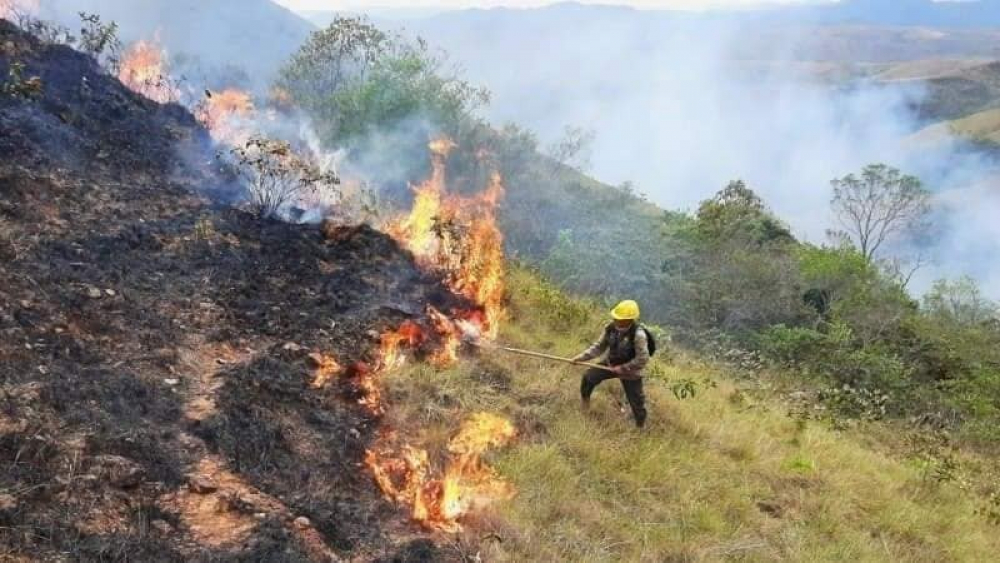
(682,105)
(244,40)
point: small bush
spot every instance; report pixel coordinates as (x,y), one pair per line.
(554,306)
(275,175)
(100,40)
(18,86)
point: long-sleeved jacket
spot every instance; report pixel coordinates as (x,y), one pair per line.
(620,346)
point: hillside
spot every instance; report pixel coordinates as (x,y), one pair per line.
(725,475)
(159,395)
(981,126)
(183,381)
(964,90)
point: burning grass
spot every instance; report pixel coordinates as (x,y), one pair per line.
(144,71)
(711,479)
(226,115)
(458,239)
(404,473)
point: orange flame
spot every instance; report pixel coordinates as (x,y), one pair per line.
(225,113)
(458,236)
(466,483)
(408,335)
(326,369)
(144,71)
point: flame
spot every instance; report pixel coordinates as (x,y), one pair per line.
(459,237)
(326,369)
(225,115)
(144,71)
(281,99)
(449,332)
(391,354)
(465,484)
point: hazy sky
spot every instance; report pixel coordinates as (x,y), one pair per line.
(361,4)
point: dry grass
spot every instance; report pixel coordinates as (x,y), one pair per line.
(711,479)
(984,126)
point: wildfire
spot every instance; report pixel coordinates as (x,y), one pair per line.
(144,71)
(326,368)
(408,335)
(459,237)
(465,484)
(225,115)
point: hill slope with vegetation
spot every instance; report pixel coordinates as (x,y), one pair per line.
(172,391)
(724,474)
(730,279)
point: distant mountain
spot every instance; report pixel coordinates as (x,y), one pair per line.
(907,13)
(256,35)
(955,13)
(322,18)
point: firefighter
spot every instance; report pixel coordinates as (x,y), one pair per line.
(629,347)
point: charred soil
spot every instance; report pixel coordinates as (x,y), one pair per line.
(157,351)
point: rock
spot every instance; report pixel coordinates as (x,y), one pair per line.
(202,485)
(302,523)
(110,292)
(93,292)
(119,471)
(172,382)
(162,526)
(291,347)
(316,359)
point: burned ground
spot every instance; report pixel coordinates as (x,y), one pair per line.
(156,397)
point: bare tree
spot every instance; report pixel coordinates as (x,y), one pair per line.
(575,149)
(344,51)
(880,204)
(275,175)
(960,300)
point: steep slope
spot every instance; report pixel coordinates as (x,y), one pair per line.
(980,126)
(726,475)
(963,91)
(159,393)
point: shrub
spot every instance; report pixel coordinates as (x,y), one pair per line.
(100,40)
(361,82)
(275,175)
(17,86)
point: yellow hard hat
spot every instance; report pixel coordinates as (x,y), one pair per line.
(625,311)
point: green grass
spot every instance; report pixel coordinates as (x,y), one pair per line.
(711,479)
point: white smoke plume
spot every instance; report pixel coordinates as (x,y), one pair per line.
(683,104)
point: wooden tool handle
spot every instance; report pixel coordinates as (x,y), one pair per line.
(555,358)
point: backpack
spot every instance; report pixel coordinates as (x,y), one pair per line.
(650,340)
